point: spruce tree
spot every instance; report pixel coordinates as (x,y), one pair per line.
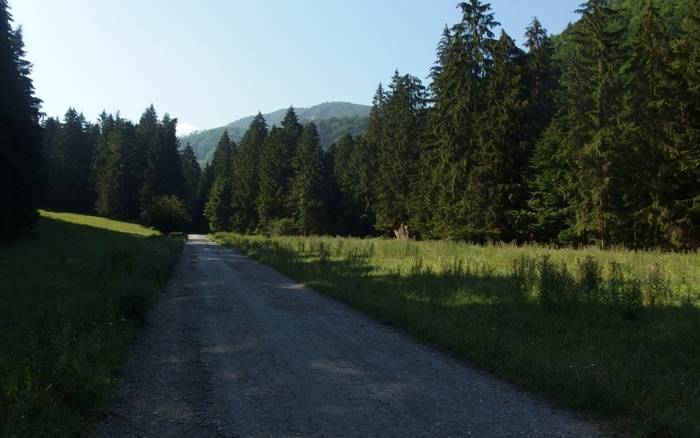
(496,187)
(223,156)
(428,186)
(147,155)
(458,84)
(647,117)
(112,167)
(353,171)
(397,153)
(70,165)
(218,209)
(549,208)
(169,170)
(307,190)
(206,182)
(593,92)
(20,132)
(363,163)
(578,162)
(292,129)
(273,180)
(51,128)
(291,133)
(347,209)
(245,176)
(541,78)
(684,230)
(191,173)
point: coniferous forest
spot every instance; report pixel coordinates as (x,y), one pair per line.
(590,137)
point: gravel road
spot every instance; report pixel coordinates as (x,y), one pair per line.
(235,349)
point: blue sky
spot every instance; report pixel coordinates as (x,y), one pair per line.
(212,61)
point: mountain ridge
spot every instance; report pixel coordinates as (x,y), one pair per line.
(334,119)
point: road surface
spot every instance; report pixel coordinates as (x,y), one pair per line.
(235,349)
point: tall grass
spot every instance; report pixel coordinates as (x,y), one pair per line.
(71,300)
(615,333)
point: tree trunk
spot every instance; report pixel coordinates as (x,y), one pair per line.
(402,232)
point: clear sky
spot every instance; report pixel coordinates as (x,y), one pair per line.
(209,62)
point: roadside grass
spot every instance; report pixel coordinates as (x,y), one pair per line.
(72,297)
(614,334)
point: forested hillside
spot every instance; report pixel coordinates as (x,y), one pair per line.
(334,119)
(588,137)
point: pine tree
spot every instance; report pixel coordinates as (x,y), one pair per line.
(307,185)
(245,176)
(20,132)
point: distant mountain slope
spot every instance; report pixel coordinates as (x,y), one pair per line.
(334,119)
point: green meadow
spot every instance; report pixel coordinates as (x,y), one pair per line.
(613,334)
(72,296)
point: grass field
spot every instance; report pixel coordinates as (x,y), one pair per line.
(615,334)
(72,297)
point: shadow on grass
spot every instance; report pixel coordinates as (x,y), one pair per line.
(599,350)
(71,299)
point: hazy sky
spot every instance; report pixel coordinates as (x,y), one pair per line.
(209,62)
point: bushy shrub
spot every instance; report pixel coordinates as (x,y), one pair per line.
(524,273)
(658,286)
(282,227)
(166,214)
(626,293)
(590,279)
(555,283)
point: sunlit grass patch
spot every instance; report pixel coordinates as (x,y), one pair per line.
(100,222)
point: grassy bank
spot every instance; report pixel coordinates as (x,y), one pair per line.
(614,333)
(72,297)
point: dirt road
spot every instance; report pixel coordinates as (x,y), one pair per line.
(236,349)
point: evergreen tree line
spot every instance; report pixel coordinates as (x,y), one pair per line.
(588,137)
(116,168)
